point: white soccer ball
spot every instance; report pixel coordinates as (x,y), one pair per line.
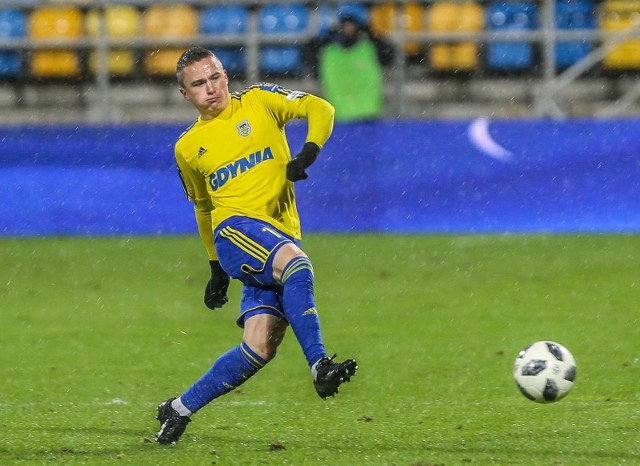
(545,371)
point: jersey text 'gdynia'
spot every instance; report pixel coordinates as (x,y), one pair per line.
(222,175)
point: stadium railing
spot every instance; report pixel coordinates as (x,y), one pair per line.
(547,78)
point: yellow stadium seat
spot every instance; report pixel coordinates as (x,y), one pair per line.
(449,16)
(121,21)
(167,22)
(617,16)
(64,22)
(383,21)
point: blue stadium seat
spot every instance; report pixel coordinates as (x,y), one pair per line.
(502,16)
(329,15)
(327,18)
(574,14)
(230,21)
(356,10)
(282,20)
(224,20)
(13,24)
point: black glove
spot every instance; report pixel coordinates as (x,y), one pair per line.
(296,168)
(215,293)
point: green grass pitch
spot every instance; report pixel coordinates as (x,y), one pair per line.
(96,331)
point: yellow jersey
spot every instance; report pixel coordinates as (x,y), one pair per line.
(235,163)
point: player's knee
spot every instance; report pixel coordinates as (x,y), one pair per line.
(269,351)
(284,256)
(298,269)
(264,340)
(266,349)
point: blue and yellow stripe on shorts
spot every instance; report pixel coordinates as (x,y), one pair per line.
(246,247)
(246,244)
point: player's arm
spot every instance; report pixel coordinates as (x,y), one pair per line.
(215,293)
(319,114)
(195,189)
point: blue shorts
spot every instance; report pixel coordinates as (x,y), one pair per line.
(245,249)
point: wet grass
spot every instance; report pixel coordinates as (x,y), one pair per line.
(95,332)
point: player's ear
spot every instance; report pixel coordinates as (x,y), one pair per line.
(184,94)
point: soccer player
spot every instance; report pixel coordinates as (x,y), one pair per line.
(236,168)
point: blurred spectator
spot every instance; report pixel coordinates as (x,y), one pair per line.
(348,62)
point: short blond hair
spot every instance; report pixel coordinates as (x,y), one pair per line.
(190,56)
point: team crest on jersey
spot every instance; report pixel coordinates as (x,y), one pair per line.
(244,128)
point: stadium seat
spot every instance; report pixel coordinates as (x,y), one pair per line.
(166,22)
(282,20)
(502,16)
(448,16)
(329,15)
(618,16)
(121,21)
(56,22)
(573,14)
(229,21)
(327,18)
(383,21)
(13,24)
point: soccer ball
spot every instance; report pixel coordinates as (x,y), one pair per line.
(545,371)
